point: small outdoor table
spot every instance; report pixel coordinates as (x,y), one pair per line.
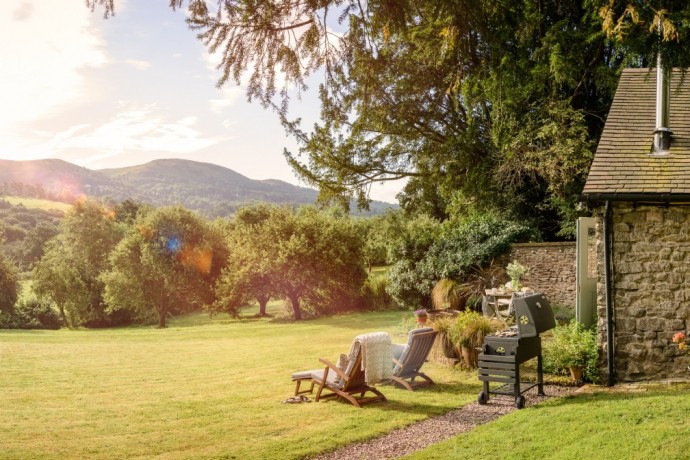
(493,297)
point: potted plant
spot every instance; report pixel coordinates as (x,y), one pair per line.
(421,315)
(573,349)
(442,325)
(516,270)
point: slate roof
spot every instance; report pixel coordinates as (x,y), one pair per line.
(623,167)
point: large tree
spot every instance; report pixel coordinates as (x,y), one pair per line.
(9,284)
(497,104)
(68,273)
(300,255)
(167,263)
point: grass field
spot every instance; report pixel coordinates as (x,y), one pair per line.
(38,203)
(619,425)
(212,388)
(201,388)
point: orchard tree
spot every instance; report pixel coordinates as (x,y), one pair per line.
(68,273)
(375,237)
(237,287)
(167,263)
(302,255)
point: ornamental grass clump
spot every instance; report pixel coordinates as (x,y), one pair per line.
(447,294)
(467,333)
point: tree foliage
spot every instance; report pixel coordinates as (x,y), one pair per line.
(30,313)
(452,250)
(304,256)
(167,263)
(68,273)
(500,101)
(9,285)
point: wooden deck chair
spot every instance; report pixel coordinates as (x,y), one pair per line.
(346,384)
(413,357)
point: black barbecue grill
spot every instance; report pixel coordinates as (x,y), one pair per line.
(502,353)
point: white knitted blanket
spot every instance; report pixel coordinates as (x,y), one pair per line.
(377,355)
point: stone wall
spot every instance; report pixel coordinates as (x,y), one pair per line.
(651,290)
(551,269)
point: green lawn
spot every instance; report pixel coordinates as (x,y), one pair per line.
(38,203)
(201,388)
(652,424)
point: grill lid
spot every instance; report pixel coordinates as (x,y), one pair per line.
(533,315)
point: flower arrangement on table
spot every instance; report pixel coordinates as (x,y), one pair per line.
(682,340)
(516,270)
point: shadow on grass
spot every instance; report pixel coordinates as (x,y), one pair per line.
(416,406)
(359,321)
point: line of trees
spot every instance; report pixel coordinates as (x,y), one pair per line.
(110,267)
(138,264)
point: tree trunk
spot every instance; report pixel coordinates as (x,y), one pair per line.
(263,300)
(162,314)
(64,317)
(294,299)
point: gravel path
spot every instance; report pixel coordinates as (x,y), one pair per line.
(422,434)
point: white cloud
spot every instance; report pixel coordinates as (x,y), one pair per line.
(230,93)
(139,65)
(51,42)
(133,129)
(229,124)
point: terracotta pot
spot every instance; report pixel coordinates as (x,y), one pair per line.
(575,373)
(421,319)
(447,347)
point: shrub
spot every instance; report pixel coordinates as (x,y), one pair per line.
(452,251)
(564,314)
(31,314)
(573,345)
(375,296)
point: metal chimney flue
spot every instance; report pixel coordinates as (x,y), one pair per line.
(662,133)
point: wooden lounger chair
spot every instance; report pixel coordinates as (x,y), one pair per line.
(413,357)
(345,384)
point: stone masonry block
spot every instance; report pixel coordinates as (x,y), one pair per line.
(651,324)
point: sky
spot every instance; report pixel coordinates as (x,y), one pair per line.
(130,89)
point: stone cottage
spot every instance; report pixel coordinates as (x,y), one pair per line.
(639,186)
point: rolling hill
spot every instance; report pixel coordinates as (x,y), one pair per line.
(211,189)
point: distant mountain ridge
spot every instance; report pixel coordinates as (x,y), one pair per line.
(211,189)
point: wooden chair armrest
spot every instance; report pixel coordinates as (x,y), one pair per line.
(397,362)
(330,365)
